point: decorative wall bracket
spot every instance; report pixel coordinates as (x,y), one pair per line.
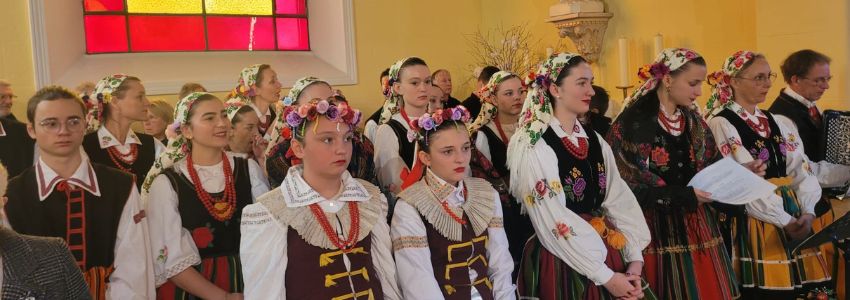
(584,22)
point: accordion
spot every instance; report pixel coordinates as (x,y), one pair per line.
(836,137)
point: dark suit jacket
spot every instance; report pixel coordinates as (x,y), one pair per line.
(16,148)
(39,268)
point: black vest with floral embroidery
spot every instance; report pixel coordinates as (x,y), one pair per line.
(213,238)
(583,180)
(771,149)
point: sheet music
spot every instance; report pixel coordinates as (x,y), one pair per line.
(731,183)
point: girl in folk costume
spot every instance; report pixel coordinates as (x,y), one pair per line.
(759,245)
(660,142)
(119,101)
(195,195)
(258,85)
(322,234)
(589,228)
(448,237)
(408,85)
(279,153)
(492,130)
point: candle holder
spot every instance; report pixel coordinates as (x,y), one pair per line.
(625,90)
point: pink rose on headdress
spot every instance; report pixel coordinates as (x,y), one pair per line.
(438,118)
(356,119)
(689,55)
(343,109)
(322,106)
(739,62)
(303,111)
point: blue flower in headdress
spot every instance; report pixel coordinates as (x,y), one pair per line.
(287,101)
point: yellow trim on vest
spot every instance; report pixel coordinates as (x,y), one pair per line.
(326,258)
(330,280)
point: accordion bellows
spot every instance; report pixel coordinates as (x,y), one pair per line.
(836,144)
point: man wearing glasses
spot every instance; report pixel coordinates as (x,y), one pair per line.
(806,72)
(94,208)
(16,147)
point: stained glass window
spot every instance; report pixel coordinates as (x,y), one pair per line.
(116,26)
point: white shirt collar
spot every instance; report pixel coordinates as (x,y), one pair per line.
(578,130)
(741,112)
(443,190)
(2,130)
(108,140)
(788,91)
(84,177)
(297,192)
(260,115)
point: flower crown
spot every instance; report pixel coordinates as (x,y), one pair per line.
(340,113)
(428,122)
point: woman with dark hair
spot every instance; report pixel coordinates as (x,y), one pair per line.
(448,237)
(590,232)
(660,142)
(407,98)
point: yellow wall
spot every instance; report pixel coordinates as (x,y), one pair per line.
(785,26)
(388,30)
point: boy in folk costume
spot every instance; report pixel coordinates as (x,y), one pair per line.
(447,229)
(322,234)
(96,209)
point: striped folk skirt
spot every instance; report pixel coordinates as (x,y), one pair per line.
(97,279)
(686,258)
(765,267)
(223,271)
(544,276)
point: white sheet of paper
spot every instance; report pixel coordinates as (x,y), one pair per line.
(731,183)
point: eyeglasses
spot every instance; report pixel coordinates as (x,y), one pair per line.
(8,96)
(762,79)
(54,126)
(820,80)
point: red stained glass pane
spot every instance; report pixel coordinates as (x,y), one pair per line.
(167,33)
(290,7)
(236,33)
(292,34)
(106,34)
(104,5)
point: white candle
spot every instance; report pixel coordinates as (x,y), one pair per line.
(658,44)
(624,61)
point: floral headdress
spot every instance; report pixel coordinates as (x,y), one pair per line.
(533,122)
(488,94)
(298,87)
(232,106)
(420,126)
(392,98)
(246,87)
(100,98)
(297,117)
(537,109)
(721,89)
(178,147)
(669,60)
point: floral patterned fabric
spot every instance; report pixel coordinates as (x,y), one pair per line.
(247,84)
(101,97)
(721,91)
(488,96)
(668,60)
